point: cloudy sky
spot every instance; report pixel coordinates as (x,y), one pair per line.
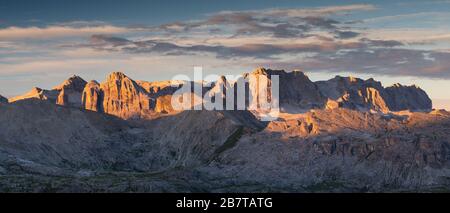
(43,42)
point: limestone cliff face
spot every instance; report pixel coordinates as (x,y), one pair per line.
(296,89)
(3,99)
(164,104)
(373,98)
(159,87)
(121,96)
(161,92)
(355,93)
(118,95)
(92,97)
(70,92)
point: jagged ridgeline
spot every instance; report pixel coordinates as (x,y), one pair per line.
(126,98)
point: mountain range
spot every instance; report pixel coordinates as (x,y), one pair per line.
(342,135)
(126,98)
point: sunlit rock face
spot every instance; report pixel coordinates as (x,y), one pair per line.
(296,90)
(161,92)
(37,93)
(92,97)
(120,96)
(70,92)
(66,94)
(355,93)
(123,97)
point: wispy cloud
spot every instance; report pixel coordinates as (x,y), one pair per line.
(316,39)
(251,49)
(276,22)
(408,35)
(16,33)
(319,11)
(396,62)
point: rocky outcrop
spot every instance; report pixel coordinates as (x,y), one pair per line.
(373,96)
(75,83)
(164,104)
(296,90)
(161,92)
(355,93)
(92,98)
(70,92)
(66,94)
(331,104)
(410,98)
(38,93)
(159,87)
(121,96)
(118,95)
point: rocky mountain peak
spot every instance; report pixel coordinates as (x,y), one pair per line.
(91,97)
(123,97)
(296,90)
(35,90)
(120,83)
(269,72)
(347,80)
(408,98)
(116,76)
(356,93)
(70,91)
(220,86)
(75,83)
(260,71)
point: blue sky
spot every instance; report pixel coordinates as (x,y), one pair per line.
(44,42)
